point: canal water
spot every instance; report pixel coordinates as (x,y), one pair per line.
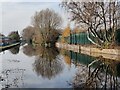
(27,66)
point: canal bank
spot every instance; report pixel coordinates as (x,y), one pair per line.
(2,48)
(92,51)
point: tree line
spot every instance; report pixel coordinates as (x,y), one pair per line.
(100,20)
(45,28)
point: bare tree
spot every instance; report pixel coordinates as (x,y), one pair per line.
(102,73)
(28,33)
(100,19)
(47,22)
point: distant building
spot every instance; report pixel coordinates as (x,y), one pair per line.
(4,40)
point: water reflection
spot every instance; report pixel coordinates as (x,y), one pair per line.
(47,63)
(75,58)
(12,78)
(66,55)
(29,50)
(105,74)
(92,72)
(15,50)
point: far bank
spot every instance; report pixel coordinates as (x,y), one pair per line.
(92,51)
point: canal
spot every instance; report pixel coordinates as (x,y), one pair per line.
(27,66)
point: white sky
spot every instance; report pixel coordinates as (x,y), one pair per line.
(0,17)
(30,0)
(54,0)
(17,15)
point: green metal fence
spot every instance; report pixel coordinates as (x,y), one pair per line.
(80,38)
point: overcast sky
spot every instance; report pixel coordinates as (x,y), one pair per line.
(17,15)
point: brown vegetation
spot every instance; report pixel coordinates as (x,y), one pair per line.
(45,29)
(65,33)
(28,33)
(47,24)
(100,19)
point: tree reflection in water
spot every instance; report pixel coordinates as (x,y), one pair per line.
(29,50)
(104,75)
(47,63)
(15,50)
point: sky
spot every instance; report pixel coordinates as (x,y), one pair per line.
(16,14)
(30,0)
